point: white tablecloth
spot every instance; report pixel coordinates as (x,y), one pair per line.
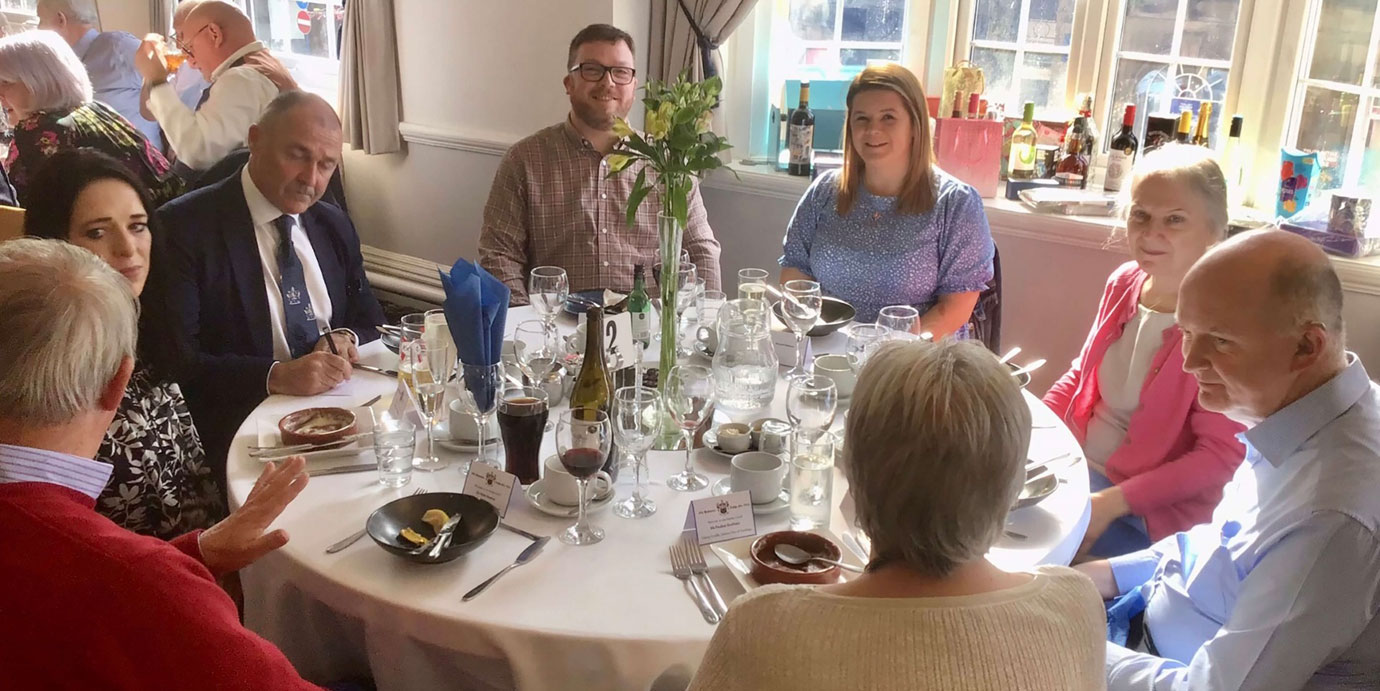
(607,616)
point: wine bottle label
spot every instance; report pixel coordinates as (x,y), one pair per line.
(1022,157)
(641,326)
(1119,162)
(801,139)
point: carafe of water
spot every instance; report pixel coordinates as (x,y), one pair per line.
(744,360)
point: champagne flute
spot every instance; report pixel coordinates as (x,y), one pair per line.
(636,423)
(547,290)
(863,340)
(801,310)
(582,443)
(811,402)
(479,389)
(899,318)
(689,396)
(429,387)
(410,357)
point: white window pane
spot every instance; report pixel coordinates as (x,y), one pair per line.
(996,20)
(1051,22)
(1043,78)
(1210,29)
(813,20)
(1325,126)
(873,20)
(1370,167)
(858,57)
(998,68)
(1339,53)
(277,24)
(1149,26)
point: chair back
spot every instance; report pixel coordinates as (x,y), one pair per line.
(11,222)
(985,324)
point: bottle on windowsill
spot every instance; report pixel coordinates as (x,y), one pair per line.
(1072,170)
(1121,151)
(800,136)
(1020,165)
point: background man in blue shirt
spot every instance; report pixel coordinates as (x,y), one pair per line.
(1280,590)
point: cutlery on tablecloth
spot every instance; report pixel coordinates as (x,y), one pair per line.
(526,556)
(1037,477)
(362,531)
(342,469)
(680,568)
(699,568)
(376,370)
(1010,354)
(519,531)
(1036,465)
(257,451)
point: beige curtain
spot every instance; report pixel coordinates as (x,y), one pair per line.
(686,35)
(370,104)
(160,16)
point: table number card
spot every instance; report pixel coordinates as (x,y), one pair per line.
(728,517)
(490,484)
(618,339)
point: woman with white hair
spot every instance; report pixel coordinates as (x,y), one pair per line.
(937,441)
(47,98)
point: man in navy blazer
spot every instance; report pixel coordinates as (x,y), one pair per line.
(260,274)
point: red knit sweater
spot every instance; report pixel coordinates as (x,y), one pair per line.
(86,604)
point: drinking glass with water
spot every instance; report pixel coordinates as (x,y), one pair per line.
(812,480)
(394,444)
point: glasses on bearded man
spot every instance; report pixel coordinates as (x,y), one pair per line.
(594,72)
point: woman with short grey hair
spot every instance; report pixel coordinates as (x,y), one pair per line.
(936,442)
(47,99)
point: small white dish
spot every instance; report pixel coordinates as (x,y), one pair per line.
(782,501)
(538,499)
(736,555)
(442,434)
(711,444)
(270,436)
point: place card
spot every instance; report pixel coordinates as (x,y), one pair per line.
(726,517)
(490,484)
(618,339)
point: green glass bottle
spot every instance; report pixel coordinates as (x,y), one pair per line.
(640,308)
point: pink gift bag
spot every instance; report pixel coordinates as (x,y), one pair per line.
(970,150)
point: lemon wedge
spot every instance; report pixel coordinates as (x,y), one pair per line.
(435,518)
(412,536)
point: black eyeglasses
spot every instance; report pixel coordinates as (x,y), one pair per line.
(594,72)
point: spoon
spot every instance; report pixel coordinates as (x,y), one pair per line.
(1010,354)
(1029,368)
(796,556)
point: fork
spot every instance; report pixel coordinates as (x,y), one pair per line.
(680,568)
(356,536)
(699,568)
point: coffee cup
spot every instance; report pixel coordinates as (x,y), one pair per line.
(759,474)
(463,428)
(838,368)
(709,337)
(561,488)
(735,437)
(762,442)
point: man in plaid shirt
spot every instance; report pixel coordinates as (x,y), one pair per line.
(551,203)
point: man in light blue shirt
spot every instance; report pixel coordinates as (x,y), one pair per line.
(108,57)
(1281,589)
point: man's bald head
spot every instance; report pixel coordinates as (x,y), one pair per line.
(294,150)
(212,31)
(1293,276)
(302,105)
(184,8)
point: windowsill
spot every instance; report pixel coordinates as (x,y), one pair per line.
(1007,217)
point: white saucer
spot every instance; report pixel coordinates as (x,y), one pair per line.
(711,443)
(782,500)
(442,434)
(537,498)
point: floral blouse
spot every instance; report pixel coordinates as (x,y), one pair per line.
(93,126)
(162,485)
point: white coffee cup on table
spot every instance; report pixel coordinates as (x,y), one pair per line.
(463,428)
(838,368)
(758,473)
(560,486)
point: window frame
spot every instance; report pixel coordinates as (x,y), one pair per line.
(325,69)
(962,49)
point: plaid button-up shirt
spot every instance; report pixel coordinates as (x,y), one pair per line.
(551,205)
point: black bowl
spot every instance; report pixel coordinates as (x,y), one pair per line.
(478,522)
(833,315)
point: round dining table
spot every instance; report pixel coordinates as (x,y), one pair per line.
(604,616)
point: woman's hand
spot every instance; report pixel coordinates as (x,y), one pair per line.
(1107,506)
(948,315)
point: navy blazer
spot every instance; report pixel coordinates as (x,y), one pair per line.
(216,301)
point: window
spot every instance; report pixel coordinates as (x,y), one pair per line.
(1337,95)
(1022,47)
(305,35)
(836,38)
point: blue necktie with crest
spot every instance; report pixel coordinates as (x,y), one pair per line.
(299,319)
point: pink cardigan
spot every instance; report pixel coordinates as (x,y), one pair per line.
(1176,456)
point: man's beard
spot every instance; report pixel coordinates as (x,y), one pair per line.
(593,116)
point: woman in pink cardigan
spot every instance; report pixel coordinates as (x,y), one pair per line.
(1157,459)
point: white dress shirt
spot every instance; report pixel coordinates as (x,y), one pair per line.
(109,61)
(1282,588)
(203,137)
(263,212)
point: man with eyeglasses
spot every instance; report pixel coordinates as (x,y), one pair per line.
(244,78)
(552,202)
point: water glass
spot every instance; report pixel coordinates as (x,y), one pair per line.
(863,341)
(394,443)
(811,402)
(801,305)
(636,424)
(583,436)
(812,480)
(547,289)
(752,284)
(899,318)
(689,397)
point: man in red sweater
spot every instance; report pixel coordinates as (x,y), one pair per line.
(85,604)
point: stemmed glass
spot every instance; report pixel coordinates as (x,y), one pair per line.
(583,436)
(863,340)
(547,289)
(636,423)
(800,307)
(811,401)
(689,395)
(429,387)
(538,353)
(479,389)
(899,318)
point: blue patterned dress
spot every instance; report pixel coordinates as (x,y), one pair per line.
(875,257)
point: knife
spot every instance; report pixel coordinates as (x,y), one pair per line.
(519,531)
(339,470)
(526,556)
(376,370)
(302,448)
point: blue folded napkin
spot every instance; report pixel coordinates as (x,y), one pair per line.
(476,310)
(1120,612)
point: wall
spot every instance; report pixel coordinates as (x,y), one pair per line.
(125,15)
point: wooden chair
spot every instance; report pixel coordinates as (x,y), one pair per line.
(11,222)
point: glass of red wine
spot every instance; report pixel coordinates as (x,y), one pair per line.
(583,437)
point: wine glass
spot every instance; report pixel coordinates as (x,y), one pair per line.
(863,340)
(899,318)
(636,423)
(800,306)
(538,353)
(479,388)
(429,389)
(582,443)
(547,289)
(689,395)
(811,401)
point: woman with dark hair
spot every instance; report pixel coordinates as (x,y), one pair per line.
(162,485)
